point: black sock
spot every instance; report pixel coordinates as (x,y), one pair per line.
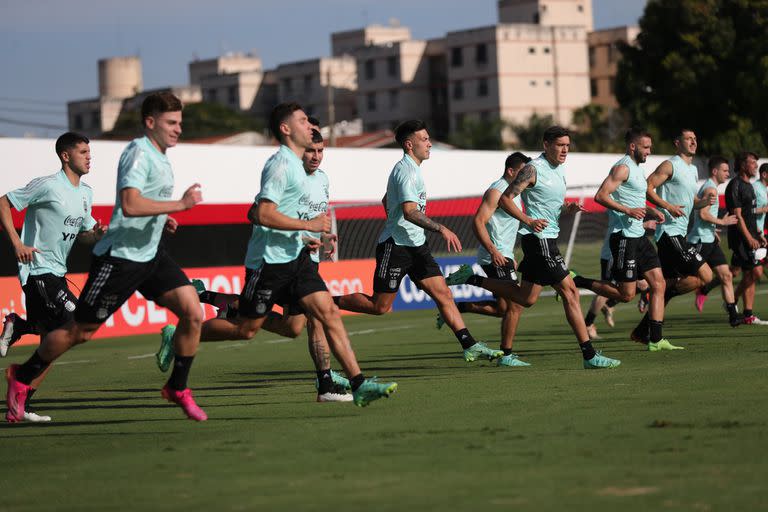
(30,394)
(324,381)
(589,319)
(476,281)
(655,330)
(357,381)
(732,311)
(209,297)
(465,338)
(587,350)
(507,351)
(31,369)
(20,328)
(462,307)
(710,286)
(612,302)
(641,331)
(180,374)
(747,312)
(583,282)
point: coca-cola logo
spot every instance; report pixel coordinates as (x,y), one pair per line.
(74,222)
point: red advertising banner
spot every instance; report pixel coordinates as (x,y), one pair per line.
(141,316)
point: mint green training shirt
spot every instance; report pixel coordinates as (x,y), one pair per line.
(142,166)
(502,228)
(703,231)
(631,194)
(405,185)
(546,198)
(679,189)
(283,182)
(315,202)
(57,212)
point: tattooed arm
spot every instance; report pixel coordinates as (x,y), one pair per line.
(412,214)
(524,179)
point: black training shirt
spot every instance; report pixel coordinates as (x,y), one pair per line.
(740,194)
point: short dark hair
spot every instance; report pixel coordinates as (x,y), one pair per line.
(680,133)
(317,137)
(516,159)
(278,116)
(741,158)
(159,103)
(408,128)
(313,121)
(635,133)
(68,141)
(763,168)
(553,133)
(715,162)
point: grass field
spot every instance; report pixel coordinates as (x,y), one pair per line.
(682,430)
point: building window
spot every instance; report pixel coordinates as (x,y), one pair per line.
(613,52)
(536,17)
(307,83)
(394,98)
(548,83)
(532,83)
(287,86)
(370,69)
(546,49)
(392,66)
(580,8)
(593,88)
(482,87)
(457,59)
(531,50)
(212,95)
(592,56)
(371,100)
(232,95)
(458,90)
(78,122)
(481,53)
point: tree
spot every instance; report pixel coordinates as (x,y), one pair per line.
(200,120)
(700,64)
(476,134)
(529,135)
(598,130)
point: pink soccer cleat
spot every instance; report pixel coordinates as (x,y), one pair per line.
(16,396)
(700,300)
(185,400)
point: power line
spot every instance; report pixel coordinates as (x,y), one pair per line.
(33,124)
(32,100)
(31,110)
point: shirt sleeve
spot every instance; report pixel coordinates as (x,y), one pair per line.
(734,197)
(407,187)
(274,180)
(132,171)
(35,192)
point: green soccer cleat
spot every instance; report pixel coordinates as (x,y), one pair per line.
(599,362)
(199,286)
(439,321)
(164,356)
(481,350)
(371,390)
(460,276)
(512,360)
(662,344)
(337,379)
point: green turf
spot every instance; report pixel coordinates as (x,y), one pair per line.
(684,430)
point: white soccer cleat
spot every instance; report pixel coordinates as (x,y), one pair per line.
(33,417)
(332,396)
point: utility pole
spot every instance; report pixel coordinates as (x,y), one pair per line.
(331,109)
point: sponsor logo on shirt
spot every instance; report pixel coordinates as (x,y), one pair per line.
(73,222)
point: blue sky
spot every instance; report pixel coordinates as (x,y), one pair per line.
(50,48)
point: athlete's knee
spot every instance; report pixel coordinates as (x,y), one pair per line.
(381,308)
(247,329)
(294,328)
(569,294)
(626,295)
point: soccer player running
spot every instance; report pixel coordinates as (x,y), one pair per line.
(496,230)
(58,213)
(331,386)
(623,192)
(129,258)
(704,236)
(278,267)
(744,239)
(402,248)
(541,183)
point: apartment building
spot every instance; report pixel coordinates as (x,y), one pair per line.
(604,56)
